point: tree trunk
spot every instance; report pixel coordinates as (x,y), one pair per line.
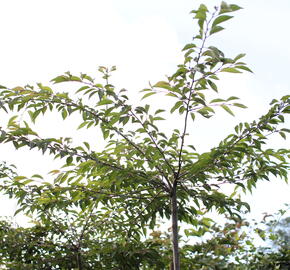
(79,261)
(175,249)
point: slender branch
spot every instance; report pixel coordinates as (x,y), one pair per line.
(95,115)
(140,213)
(157,147)
(147,131)
(189,98)
(88,217)
(230,147)
(66,150)
(120,195)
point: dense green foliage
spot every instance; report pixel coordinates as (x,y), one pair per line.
(96,211)
(206,246)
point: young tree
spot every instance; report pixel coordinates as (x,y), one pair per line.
(144,173)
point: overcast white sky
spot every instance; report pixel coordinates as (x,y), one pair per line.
(43,39)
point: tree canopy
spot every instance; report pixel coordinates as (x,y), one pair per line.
(97,209)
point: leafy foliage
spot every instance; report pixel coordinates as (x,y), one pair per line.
(143,173)
(206,245)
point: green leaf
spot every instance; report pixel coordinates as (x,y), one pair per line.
(205,111)
(159,111)
(33,115)
(18,178)
(192,116)
(283,135)
(148,95)
(240,105)
(158,118)
(221,19)
(37,176)
(11,121)
(82,124)
(176,106)
(60,79)
(87,145)
(217,100)
(44,88)
(69,160)
(171,94)
(225,8)
(82,89)
(64,114)
(235,7)
(232,98)
(212,85)
(18,88)
(28,181)
(105,101)
(188,46)
(203,7)
(227,109)
(231,70)
(215,29)
(285,130)
(239,56)
(244,68)
(163,84)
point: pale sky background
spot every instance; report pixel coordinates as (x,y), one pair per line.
(41,39)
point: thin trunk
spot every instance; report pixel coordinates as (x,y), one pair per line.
(175,249)
(79,261)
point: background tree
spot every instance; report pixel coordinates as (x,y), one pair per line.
(206,245)
(143,173)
